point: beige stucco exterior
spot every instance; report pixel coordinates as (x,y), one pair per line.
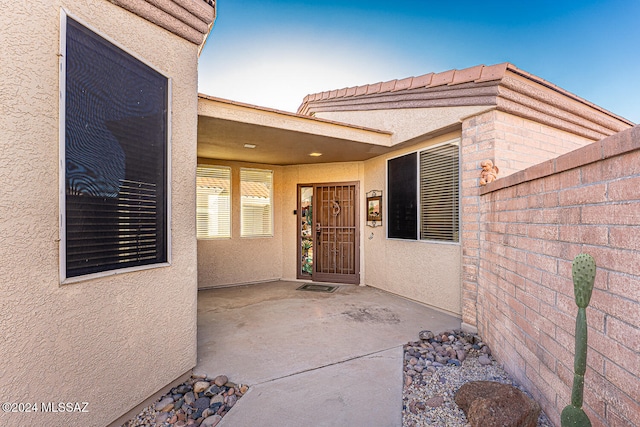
(420,270)
(407,124)
(112,341)
(235,260)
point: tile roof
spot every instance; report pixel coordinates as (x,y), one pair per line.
(502,86)
(477,74)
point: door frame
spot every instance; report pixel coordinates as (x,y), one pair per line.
(333,278)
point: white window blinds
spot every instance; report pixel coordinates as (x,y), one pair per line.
(213,194)
(439,193)
(256,202)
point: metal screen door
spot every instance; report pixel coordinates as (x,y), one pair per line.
(336,255)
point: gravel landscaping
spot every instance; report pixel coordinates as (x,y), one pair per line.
(436,366)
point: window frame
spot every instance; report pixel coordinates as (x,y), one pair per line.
(271,206)
(64,14)
(230,203)
(418,234)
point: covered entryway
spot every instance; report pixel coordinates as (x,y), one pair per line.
(320,161)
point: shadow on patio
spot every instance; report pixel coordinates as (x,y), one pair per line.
(310,358)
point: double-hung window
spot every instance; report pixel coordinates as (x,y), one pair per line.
(424,194)
(114,148)
(256,204)
(213,194)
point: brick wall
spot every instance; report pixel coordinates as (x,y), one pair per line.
(514,144)
(532,224)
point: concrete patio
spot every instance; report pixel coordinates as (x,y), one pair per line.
(321,359)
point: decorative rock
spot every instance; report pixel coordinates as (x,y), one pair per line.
(231,400)
(218,398)
(208,412)
(213,390)
(189,398)
(202,403)
(178,404)
(425,335)
(164,403)
(455,362)
(408,380)
(221,380)
(211,421)
(435,402)
(200,386)
(183,389)
(461,355)
(493,404)
(484,360)
(243,389)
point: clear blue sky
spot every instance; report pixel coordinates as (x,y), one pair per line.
(274,52)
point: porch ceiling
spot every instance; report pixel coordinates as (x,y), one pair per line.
(280,138)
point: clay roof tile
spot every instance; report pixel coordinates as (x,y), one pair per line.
(351,91)
(443,78)
(403,84)
(493,72)
(374,88)
(388,86)
(467,75)
(421,81)
(361,90)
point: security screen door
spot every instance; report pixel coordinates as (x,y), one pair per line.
(336,254)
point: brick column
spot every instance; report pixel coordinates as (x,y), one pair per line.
(478,144)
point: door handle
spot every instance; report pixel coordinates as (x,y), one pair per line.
(318,228)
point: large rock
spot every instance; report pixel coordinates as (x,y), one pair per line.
(492,404)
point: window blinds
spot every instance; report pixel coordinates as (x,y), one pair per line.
(213,202)
(439,193)
(256,191)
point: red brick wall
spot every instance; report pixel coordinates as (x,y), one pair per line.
(532,224)
(514,144)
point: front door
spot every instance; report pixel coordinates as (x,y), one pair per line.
(336,243)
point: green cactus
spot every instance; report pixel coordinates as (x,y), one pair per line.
(584,275)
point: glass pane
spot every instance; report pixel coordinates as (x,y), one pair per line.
(115,157)
(306,230)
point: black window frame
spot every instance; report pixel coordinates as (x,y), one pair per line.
(115,165)
(408,187)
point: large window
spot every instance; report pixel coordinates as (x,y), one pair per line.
(424,194)
(114,148)
(213,193)
(256,202)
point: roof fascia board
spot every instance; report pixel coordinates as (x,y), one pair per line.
(245,113)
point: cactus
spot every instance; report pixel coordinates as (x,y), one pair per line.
(584,275)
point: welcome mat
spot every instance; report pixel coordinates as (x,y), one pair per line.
(317,288)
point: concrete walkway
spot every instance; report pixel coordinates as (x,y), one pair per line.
(311,359)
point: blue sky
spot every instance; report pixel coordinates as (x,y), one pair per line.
(274,52)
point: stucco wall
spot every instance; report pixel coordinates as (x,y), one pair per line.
(405,123)
(112,341)
(419,270)
(533,224)
(241,259)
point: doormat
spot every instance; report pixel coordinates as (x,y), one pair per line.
(317,288)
